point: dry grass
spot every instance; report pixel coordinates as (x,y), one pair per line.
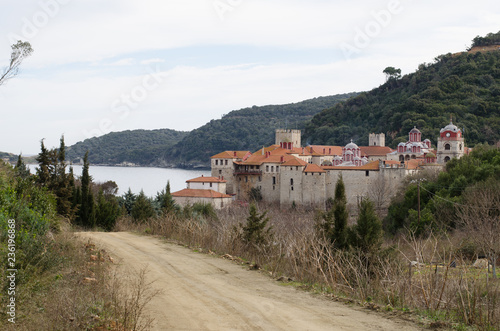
(82,292)
(386,280)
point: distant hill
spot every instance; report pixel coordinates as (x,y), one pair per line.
(248,128)
(244,129)
(465,86)
(8,157)
(141,147)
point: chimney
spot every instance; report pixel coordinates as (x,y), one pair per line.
(282,159)
(234,153)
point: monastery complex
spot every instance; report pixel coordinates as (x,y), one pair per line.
(287,173)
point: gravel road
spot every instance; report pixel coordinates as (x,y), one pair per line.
(203,292)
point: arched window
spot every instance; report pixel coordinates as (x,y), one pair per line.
(401,158)
(446,159)
(447,147)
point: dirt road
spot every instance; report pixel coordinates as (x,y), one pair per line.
(202,292)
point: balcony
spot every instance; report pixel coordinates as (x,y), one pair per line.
(248,172)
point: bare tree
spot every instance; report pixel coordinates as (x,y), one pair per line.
(380,193)
(480,217)
(20,51)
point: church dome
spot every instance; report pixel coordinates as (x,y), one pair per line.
(348,153)
(430,154)
(450,127)
(415,130)
(351,145)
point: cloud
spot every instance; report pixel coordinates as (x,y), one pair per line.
(124,62)
(150,61)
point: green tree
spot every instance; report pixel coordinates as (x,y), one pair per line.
(43,169)
(366,235)
(392,73)
(21,169)
(142,209)
(254,230)
(165,200)
(340,215)
(128,201)
(107,211)
(87,206)
(20,51)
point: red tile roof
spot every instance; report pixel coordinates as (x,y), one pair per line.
(206,180)
(232,155)
(324,150)
(295,162)
(375,150)
(192,193)
(369,166)
(313,168)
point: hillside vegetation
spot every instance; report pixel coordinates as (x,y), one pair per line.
(142,147)
(249,128)
(465,86)
(244,129)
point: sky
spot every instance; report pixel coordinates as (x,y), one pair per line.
(102,66)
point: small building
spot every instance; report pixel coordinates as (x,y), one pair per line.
(206,190)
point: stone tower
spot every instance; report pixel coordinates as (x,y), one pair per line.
(377,139)
(450,144)
(288,139)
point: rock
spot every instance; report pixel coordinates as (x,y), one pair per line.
(480,264)
(89,280)
(93,257)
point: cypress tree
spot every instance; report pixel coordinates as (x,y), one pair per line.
(87,212)
(43,160)
(61,183)
(340,215)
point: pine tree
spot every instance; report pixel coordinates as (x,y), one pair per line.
(165,200)
(143,209)
(128,200)
(254,229)
(107,211)
(340,215)
(366,235)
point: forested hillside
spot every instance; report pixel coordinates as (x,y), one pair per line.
(465,86)
(142,147)
(248,128)
(244,129)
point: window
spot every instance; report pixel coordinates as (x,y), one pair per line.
(272,168)
(446,159)
(277,168)
(447,147)
(291,181)
(220,172)
(267,168)
(226,162)
(210,184)
(274,180)
(292,188)
(367,173)
(216,162)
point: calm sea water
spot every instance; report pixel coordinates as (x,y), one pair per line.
(151,180)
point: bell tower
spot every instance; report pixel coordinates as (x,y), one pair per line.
(450,144)
(288,139)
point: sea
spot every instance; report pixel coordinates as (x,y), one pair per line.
(150,180)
